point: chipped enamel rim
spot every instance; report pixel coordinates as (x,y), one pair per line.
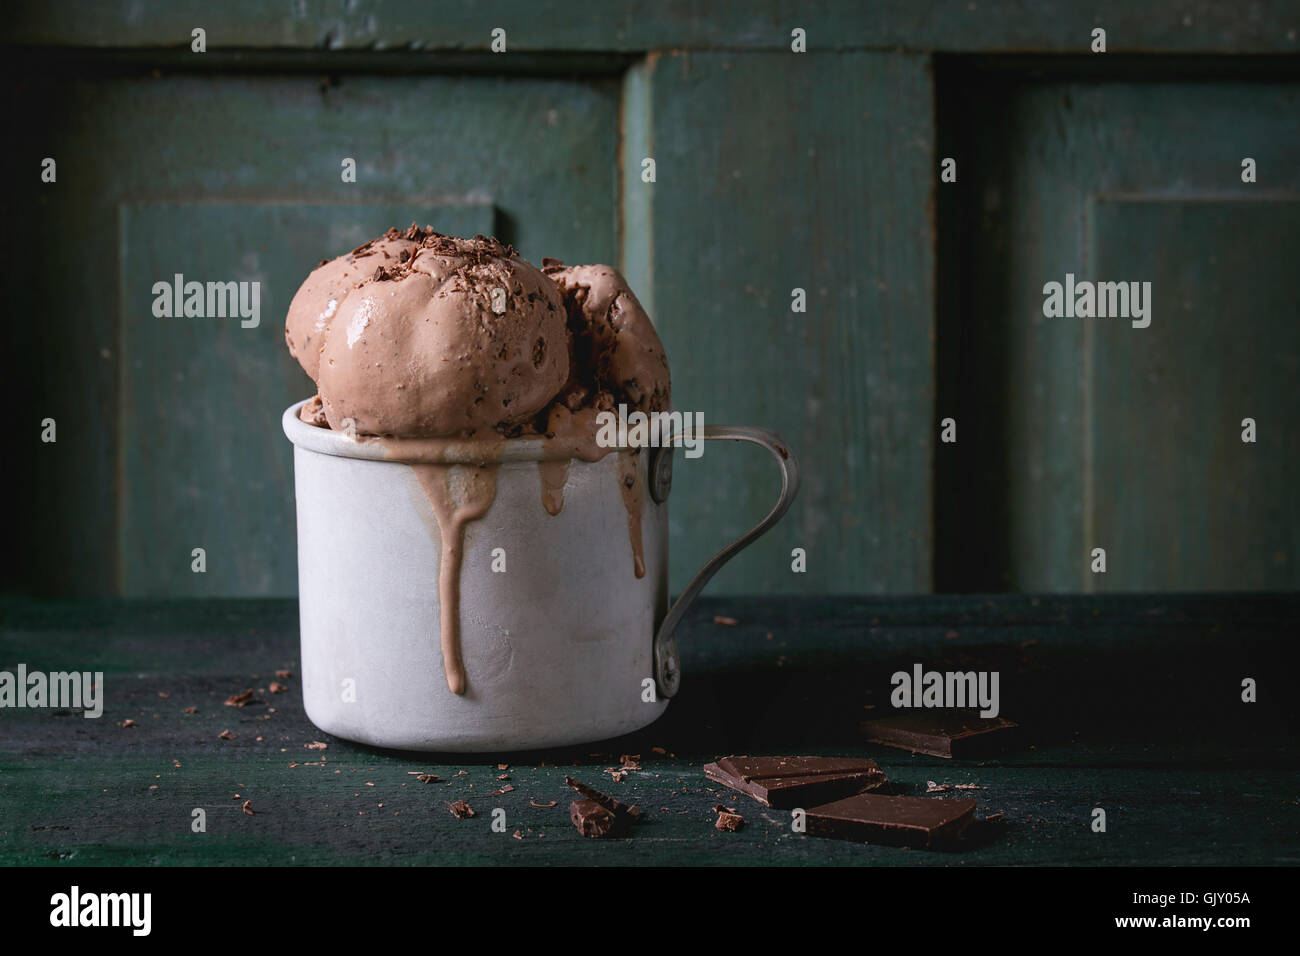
(451,451)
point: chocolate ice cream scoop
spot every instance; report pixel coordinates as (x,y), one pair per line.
(617,355)
(318,300)
(442,337)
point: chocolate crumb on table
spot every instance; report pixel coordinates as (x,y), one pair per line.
(618,807)
(461,810)
(598,815)
(729,822)
(240,700)
(593,820)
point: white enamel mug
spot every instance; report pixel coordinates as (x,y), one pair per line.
(564,646)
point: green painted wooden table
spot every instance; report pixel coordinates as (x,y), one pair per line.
(1129,703)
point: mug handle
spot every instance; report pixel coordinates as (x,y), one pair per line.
(667,668)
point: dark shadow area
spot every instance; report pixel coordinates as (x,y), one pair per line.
(1152,682)
(992,240)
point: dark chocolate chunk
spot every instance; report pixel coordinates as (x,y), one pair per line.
(941,733)
(461,809)
(731,822)
(617,807)
(893,821)
(592,819)
(788,782)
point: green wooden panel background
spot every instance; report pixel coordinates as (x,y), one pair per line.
(1041,468)
(636,25)
(543,151)
(1178,499)
(777,172)
(203,458)
(774,171)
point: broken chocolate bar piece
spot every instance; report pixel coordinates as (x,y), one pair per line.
(942,733)
(784,783)
(592,819)
(617,807)
(892,821)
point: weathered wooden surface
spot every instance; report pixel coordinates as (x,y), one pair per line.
(812,174)
(1268,26)
(1081,433)
(1130,703)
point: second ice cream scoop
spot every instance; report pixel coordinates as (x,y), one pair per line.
(617,355)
